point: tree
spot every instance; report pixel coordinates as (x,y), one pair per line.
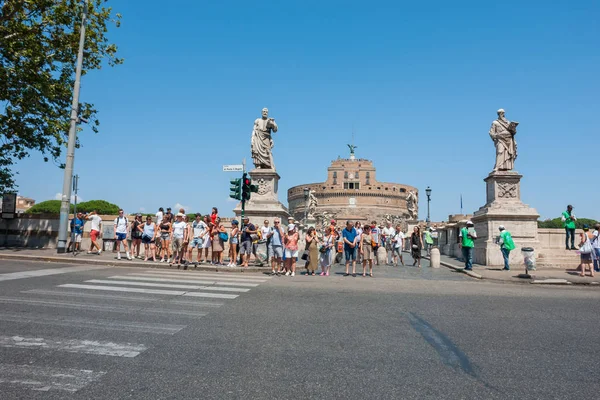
(101,206)
(557,223)
(46,207)
(39,40)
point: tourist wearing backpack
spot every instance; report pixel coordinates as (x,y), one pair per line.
(121,225)
(507,244)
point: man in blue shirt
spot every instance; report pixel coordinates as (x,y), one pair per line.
(350,244)
(76,231)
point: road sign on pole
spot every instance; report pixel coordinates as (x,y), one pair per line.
(233,168)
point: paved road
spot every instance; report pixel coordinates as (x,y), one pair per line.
(83,332)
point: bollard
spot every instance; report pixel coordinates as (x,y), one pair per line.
(434,258)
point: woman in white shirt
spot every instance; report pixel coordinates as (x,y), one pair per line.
(398,245)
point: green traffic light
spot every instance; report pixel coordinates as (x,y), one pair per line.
(235,190)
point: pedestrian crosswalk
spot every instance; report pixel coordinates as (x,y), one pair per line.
(119,316)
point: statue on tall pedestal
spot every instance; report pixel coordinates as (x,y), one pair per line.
(503,134)
(262,141)
(312,204)
(411,205)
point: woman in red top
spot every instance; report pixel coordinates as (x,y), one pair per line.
(214,215)
(290,242)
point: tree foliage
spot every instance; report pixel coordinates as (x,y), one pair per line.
(46,207)
(558,224)
(101,206)
(39,40)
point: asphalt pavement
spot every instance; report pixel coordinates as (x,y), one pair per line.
(99,332)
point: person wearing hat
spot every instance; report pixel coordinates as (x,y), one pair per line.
(248,231)
(198,232)
(507,244)
(291,250)
(428,240)
(178,236)
(568,219)
(467,236)
(276,247)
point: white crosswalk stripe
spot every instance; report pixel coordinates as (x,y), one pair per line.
(74,346)
(177,279)
(173,286)
(210,275)
(47,378)
(92,323)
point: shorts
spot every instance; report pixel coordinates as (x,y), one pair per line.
(350,253)
(246,248)
(94,234)
(165,235)
(78,237)
(197,242)
(121,237)
(276,251)
(147,240)
(397,251)
(233,241)
(291,253)
(177,243)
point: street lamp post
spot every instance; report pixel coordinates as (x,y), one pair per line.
(306,196)
(68,176)
(428,192)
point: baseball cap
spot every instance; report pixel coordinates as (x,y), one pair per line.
(333,221)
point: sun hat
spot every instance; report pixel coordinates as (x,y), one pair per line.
(469,222)
(179,215)
(501,227)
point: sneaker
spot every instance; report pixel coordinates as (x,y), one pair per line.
(99,252)
(118,257)
(129,258)
(326,273)
(293,274)
(287,273)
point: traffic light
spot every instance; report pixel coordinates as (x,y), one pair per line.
(235,190)
(246,187)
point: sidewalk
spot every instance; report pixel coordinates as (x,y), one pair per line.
(516,274)
(108,258)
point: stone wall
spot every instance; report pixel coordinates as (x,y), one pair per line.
(550,241)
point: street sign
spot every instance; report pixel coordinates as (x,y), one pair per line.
(9,205)
(233,168)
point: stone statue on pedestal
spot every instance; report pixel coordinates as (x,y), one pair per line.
(312,204)
(411,205)
(262,141)
(503,134)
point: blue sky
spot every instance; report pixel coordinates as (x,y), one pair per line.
(420,82)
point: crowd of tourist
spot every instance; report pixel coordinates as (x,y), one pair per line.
(173,238)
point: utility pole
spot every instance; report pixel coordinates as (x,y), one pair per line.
(68,176)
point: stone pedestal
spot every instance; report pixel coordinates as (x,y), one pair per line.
(265,204)
(504,207)
(434,258)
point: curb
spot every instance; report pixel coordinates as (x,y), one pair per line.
(462,269)
(116,263)
(472,274)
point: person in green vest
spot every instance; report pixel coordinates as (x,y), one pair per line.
(467,236)
(428,240)
(507,244)
(568,219)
